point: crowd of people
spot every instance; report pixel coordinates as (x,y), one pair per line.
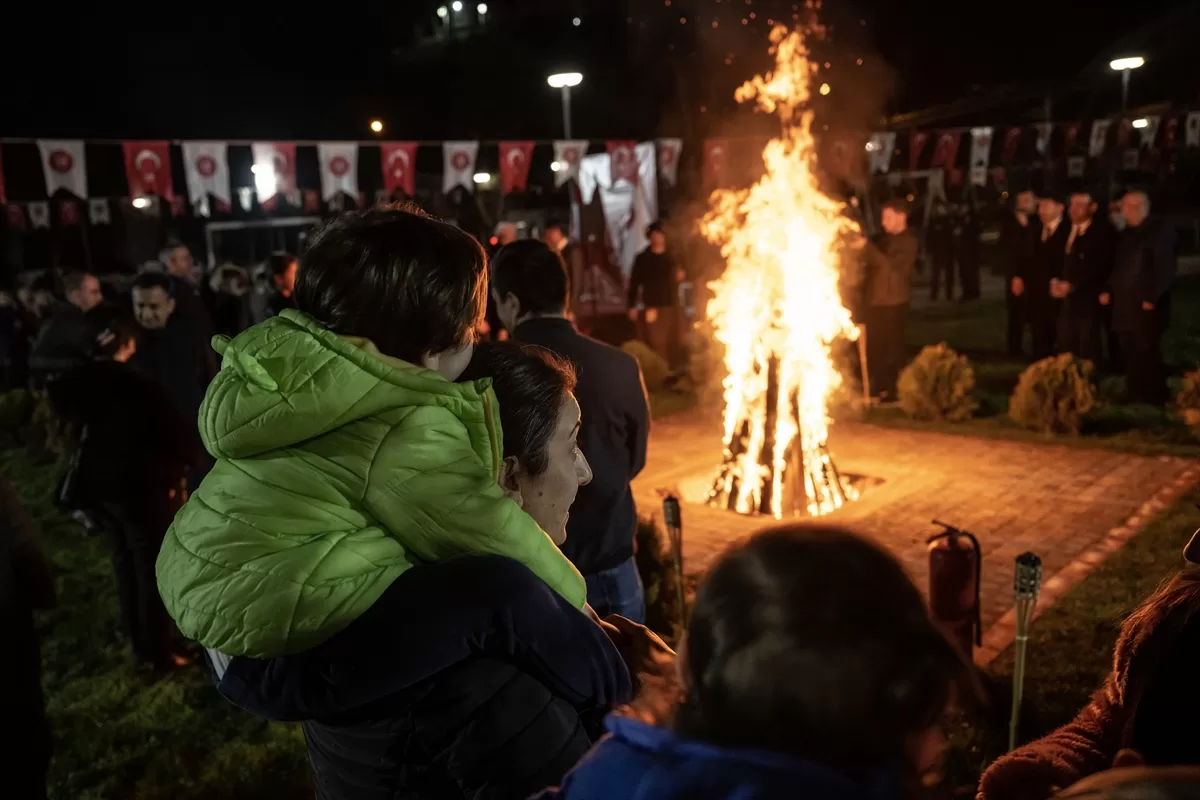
(419,545)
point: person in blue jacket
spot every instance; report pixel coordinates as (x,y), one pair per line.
(811,669)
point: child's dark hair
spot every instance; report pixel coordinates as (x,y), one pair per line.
(811,641)
(411,284)
(531,384)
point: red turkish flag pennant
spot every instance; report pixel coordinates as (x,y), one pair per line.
(1170,134)
(68,211)
(399,167)
(148,169)
(514,165)
(1070,137)
(716,162)
(916,146)
(947,149)
(1012,141)
(622,160)
(15,217)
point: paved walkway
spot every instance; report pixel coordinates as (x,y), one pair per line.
(1069,505)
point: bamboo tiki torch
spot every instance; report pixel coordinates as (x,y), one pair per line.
(1027,583)
(673,518)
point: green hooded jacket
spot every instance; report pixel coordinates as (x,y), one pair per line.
(337,469)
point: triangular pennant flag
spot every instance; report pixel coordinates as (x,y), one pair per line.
(514,165)
(622,161)
(274,170)
(399,162)
(39,214)
(339,168)
(148,169)
(65,167)
(1150,130)
(946,152)
(1044,129)
(1192,129)
(668,160)
(98,211)
(567,155)
(1099,138)
(458,165)
(981,153)
(206,170)
(881,148)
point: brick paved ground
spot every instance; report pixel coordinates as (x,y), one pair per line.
(1069,505)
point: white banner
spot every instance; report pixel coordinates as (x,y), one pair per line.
(1076,166)
(339,168)
(274,169)
(65,167)
(628,208)
(98,212)
(1099,137)
(206,166)
(458,167)
(880,151)
(668,160)
(568,154)
(1192,129)
(39,214)
(981,154)
(1044,129)
(1150,132)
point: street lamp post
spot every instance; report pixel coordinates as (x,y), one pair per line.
(1125,66)
(564,81)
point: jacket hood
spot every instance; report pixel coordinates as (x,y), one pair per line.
(641,762)
(290,379)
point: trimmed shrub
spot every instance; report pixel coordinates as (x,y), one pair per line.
(1188,401)
(1054,395)
(654,367)
(938,386)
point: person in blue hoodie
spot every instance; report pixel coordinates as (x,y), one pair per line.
(811,669)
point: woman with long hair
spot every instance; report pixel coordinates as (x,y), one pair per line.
(811,668)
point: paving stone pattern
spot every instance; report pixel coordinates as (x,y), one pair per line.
(1070,505)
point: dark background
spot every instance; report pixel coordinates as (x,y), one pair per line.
(322,70)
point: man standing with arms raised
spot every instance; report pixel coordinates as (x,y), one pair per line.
(530,288)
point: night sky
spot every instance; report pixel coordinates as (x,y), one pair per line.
(312,71)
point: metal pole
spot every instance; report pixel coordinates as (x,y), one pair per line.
(566,108)
(1125,89)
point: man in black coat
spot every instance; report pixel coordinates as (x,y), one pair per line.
(891,258)
(26,586)
(169,350)
(654,294)
(530,285)
(1045,266)
(1021,229)
(1086,269)
(1138,289)
(194,299)
(67,337)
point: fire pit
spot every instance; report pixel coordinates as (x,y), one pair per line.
(777,309)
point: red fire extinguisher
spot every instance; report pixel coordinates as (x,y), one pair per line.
(955,569)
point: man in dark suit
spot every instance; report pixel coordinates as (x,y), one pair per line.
(1139,291)
(1021,229)
(1040,274)
(530,287)
(1086,268)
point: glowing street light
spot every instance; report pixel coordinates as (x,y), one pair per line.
(564,81)
(482,177)
(141,202)
(377,125)
(1140,123)
(481,8)
(1125,66)
(556,166)
(456,5)
(443,12)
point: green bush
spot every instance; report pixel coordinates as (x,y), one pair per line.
(1054,395)
(656,566)
(938,386)
(1188,401)
(654,366)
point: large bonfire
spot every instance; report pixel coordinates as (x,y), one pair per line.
(777,309)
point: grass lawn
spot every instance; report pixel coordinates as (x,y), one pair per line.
(977,330)
(1070,646)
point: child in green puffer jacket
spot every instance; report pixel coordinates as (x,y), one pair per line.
(345,451)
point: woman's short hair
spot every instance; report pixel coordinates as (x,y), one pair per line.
(411,284)
(531,385)
(809,640)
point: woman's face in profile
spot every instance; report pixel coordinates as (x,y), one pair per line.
(548,497)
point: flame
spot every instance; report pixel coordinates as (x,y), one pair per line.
(778,301)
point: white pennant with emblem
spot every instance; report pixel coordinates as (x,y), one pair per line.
(339,168)
(206,167)
(568,153)
(1191,129)
(98,212)
(1099,137)
(65,166)
(668,160)
(458,165)
(1150,132)
(39,214)
(981,153)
